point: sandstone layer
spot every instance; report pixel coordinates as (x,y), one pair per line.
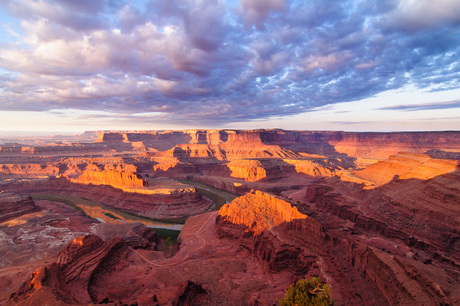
(405,166)
(375,215)
(259,212)
(13,206)
(117,179)
(157,205)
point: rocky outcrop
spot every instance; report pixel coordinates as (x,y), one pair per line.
(368,145)
(398,279)
(317,168)
(249,170)
(13,206)
(70,278)
(27,170)
(54,149)
(382,226)
(406,166)
(228,151)
(117,179)
(275,232)
(259,212)
(161,205)
(422,213)
(146,238)
(191,294)
(303,246)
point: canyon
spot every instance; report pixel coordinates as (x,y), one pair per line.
(374,215)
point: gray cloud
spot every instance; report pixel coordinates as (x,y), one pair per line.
(211,61)
(424,106)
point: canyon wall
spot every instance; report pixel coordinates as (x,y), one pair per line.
(160,205)
(287,240)
(13,206)
(117,179)
(369,145)
(376,215)
(259,212)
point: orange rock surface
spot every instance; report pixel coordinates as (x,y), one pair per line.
(382,226)
(112,178)
(249,170)
(259,211)
(406,166)
(29,169)
(310,167)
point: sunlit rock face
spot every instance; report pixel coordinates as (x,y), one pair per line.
(405,166)
(259,212)
(29,169)
(113,178)
(375,215)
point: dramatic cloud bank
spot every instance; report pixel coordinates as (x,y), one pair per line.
(222,61)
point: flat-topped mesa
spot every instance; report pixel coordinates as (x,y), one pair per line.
(253,170)
(110,137)
(406,166)
(259,212)
(245,137)
(334,143)
(209,137)
(117,179)
(29,169)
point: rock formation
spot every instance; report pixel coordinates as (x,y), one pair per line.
(76,268)
(259,212)
(13,206)
(153,205)
(117,179)
(405,166)
(375,215)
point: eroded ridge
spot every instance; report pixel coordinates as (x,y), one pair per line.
(259,211)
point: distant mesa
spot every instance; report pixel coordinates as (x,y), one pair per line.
(117,179)
(406,166)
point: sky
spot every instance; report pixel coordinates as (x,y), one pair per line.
(375,65)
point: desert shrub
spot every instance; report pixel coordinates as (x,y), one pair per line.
(308,292)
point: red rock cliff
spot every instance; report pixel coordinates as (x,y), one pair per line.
(69,279)
(112,178)
(259,211)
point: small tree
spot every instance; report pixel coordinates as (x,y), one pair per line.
(308,292)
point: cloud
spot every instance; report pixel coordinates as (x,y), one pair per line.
(255,12)
(220,61)
(424,106)
(411,16)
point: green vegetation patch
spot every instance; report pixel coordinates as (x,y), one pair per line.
(167,235)
(217,200)
(180,220)
(308,292)
(111,216)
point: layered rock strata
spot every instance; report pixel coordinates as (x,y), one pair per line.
(259,212)
(304,247)
(13,206)
(117,179)
(77,267)
(159,205)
